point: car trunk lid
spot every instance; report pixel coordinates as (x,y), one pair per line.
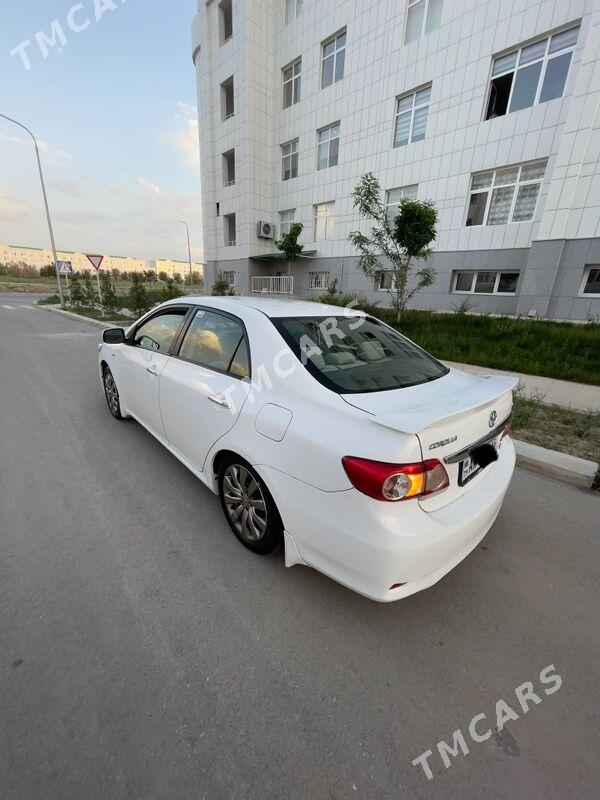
(448,415)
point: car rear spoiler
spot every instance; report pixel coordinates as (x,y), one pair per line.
(414,420)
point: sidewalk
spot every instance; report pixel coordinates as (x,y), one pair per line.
(579,396)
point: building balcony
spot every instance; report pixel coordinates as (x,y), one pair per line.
(272,284)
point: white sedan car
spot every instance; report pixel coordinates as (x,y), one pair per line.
(323,430)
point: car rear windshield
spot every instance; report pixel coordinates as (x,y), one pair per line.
(353,354)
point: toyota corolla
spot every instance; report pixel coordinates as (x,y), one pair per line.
(323,431)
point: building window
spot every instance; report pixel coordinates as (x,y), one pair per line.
(229,276)
(227,105)
(488,282)
(286,218)
(386,282)
(328,146)
(334,58)
(225,21)
(422,16)
(505,195)
(324,221)
(531,75)
(411,117)
(229,168)
(289,160)
(292,83)
(318,280)
(293,9)
(229,229)
(591,282)
(394,197)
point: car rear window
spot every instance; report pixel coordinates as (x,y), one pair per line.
(357,354)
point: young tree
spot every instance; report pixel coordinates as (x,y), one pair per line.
(402,242)
(77,296)
(90,298)
(289,246)
(222,287)
(138,296)
(110,300)
(162,276)
(169,290)
(177,277)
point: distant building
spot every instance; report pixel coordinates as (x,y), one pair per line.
(490,109)
(38,257)
(172,267)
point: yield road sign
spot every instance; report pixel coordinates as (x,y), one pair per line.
(95,261)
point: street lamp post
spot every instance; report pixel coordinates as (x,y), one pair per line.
(39,163)
(187,228)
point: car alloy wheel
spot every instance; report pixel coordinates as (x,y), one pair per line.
(244,503)
(249,508)
(112,394)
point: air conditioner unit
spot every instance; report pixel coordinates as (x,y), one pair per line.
(265,230)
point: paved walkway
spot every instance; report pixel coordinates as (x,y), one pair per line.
(580,396)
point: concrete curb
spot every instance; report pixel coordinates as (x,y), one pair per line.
(563,467)
(97,323)
(570,469)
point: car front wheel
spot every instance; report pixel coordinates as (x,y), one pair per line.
(249,508)
(112,394)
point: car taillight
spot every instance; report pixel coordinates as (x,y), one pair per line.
(393,482)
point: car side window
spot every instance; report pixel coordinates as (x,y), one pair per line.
(159,332)
(218,342)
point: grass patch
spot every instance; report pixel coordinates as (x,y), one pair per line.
(95,313)
(562,429)
(535,347)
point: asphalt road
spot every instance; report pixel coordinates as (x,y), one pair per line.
(146,654)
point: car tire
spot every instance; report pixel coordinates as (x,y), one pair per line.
(249,507)
(111,393)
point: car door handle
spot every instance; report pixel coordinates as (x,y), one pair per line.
(218,400)
(151,371)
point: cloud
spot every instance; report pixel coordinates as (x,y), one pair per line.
(14,210)
(184,136)
(72,188)
(13,139)
(149,187)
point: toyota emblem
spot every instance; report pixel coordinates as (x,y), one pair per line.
(493,418)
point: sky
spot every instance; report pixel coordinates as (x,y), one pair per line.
(114,108)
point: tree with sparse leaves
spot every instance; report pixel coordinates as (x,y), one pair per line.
(90,296)
(395,247)
(289,245)
(139,301)
(76,290)
(221,287)
(110,300)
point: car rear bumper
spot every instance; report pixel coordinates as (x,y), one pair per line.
(370,546)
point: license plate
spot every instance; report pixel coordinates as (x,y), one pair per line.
(468,469)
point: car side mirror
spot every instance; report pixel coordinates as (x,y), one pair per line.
(114,336)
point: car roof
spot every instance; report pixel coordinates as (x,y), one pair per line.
(272,306)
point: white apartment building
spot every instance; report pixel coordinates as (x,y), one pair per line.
(489,108)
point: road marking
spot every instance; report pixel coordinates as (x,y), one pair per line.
(10,308)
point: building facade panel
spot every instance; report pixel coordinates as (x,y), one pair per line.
(449,72)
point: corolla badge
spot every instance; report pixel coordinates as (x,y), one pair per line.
(493,418)
(444,442)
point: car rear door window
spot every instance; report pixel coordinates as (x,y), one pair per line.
(349,355)
(216,341)
(159,332)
